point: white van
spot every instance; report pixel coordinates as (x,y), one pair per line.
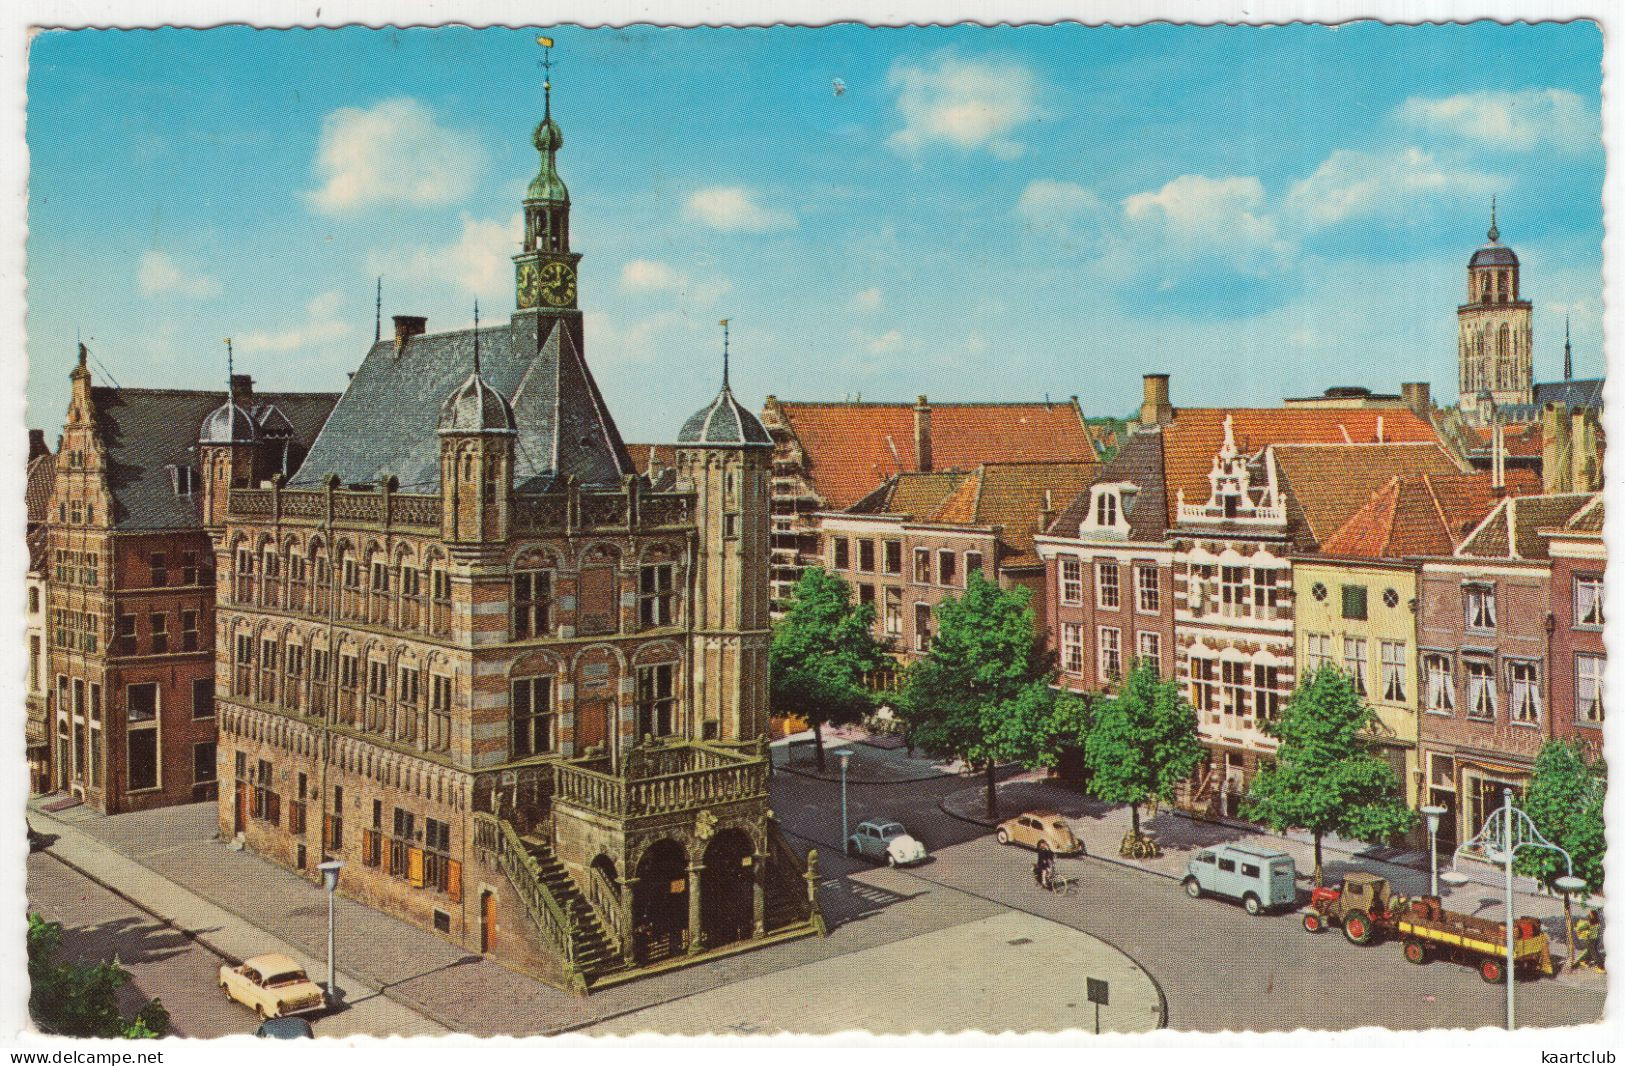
(1262,879)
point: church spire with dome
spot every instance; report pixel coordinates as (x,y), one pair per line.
(1495,334)
(545,268)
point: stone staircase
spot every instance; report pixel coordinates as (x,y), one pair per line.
(595,953)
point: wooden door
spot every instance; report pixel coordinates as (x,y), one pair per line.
(241,808)
(488,921)
(592,724)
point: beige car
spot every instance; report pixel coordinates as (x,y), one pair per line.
(273,985)
(1047,826)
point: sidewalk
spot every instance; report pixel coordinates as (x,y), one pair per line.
(366,1007)
(1101,827)
(874,759)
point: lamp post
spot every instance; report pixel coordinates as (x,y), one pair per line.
(1433,814)
(1499,841)
(845,754)
(330,878)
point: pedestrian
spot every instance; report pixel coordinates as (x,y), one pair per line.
(1044,868)
(1588,940)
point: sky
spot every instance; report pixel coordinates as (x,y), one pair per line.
(968,213)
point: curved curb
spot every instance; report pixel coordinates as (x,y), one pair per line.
(942,806)
(1162,996)
(812,775)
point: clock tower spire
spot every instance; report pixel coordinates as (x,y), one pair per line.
(545,268)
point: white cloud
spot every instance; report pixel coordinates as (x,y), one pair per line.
(733,208)
(393,153)
(651,275)
(869,299)
(322,325)
(1195,217)
(1352,184)
(890,341)
(478,262)
(159,274)
(636,341)
(1046,202)
(967,104)
(1515,121)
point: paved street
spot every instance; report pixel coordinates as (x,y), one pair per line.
(894,935)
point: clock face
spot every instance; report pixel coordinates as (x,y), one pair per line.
(529,283)
(558,284)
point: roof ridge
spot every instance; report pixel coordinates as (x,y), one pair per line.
(1438,509)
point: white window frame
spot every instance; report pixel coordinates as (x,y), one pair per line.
(1317,651)
(1393,670)
(1148,648)
(1069,578)
(1483,702)
(1355,651)
(1523,688)
(1108,585)
(1147,594)
(1588,601)
(1072,647)
(1478,606)
(1439,684)
(1109,652)
(1588,689)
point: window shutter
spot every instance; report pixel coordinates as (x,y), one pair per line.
(454,879)
(369,847)
(327,831)
(273,803)
(414,867)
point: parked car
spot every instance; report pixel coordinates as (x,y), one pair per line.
(290,1028)
(274,986)
(1035,826)
(885,841)
(1261,879)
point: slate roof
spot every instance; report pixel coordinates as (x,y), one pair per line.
(1326,483)
(851,448)
(1423,514)
(1494,255)
(724,421)
(41,479)
(384,424)
(1138,462)
(1192,439)
(147,430)
(1512,531)
(1581,392)
(1012,496)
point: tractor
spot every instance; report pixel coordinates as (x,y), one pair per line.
(1361,906)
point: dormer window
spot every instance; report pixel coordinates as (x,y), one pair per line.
(183,479)
(1106,508)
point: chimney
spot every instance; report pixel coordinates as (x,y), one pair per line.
(407,327)
(36,444)
(922,435)
(1047,514)
(1379,429)
(1156,410)
(1556,449)
(242,391)
(1583,449)
(1418,396)
(1498,456)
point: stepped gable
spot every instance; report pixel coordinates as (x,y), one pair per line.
(384,425)
(1326,483)
(145,431)
(1193,438)
(852,448)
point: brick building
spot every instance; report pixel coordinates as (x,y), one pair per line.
(1486,634)
(130,584)
(1578,659)
(917,539)
(518,688)
(40,479)
(828,456)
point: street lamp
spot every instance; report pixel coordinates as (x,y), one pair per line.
(846,755)
(1433,814)
(1499,841)
(330,878)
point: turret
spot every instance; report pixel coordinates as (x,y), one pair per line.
(477,433)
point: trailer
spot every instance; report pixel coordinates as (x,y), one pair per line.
(1368,910)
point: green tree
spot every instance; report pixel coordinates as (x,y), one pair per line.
(1565,803)
(982,694)
(1141,743)
(822,650)
(1326,777)
(81,998)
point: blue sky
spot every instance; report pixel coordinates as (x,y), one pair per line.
(981,214)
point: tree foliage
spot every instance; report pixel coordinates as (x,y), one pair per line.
(822,650)
(1565,802)
(81,998)
(1141,743)
(1326,777)
(982,693)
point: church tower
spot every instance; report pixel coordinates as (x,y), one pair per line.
(1495,333)
(545,268)
(723,455)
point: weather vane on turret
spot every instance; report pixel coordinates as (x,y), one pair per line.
(724,325)
(1495,231)
(547,72)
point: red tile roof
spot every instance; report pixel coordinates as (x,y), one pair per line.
(1423,514)
(851,448)
(1513,529)
(646,457)
(1329,482)
(1193,438)
(41,483)
(1524,441)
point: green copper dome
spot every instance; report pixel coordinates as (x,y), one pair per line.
(547,185)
